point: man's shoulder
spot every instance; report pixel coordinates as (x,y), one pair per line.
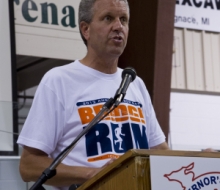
(60,72)
(62,69)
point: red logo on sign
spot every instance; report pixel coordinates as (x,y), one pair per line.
(185,176)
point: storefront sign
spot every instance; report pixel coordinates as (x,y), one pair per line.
(47,14)
(48,28)
(198,14)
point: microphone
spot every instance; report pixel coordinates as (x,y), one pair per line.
(128,76)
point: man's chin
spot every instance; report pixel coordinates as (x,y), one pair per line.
(117,51)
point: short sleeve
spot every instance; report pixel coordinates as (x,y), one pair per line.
(44,125)
(155,133)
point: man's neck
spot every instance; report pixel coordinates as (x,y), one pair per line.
(99,63)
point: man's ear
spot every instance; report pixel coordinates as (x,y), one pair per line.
(84,28)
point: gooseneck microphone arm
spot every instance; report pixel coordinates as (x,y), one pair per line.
(108,107)
(128,75)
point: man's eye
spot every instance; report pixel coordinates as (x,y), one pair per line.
(123,20)
(108,18)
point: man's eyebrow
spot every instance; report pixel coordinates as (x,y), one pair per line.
(111,13)
(107,13)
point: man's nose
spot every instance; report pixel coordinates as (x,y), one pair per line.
(117,25)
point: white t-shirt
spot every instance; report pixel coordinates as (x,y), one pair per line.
(69,97)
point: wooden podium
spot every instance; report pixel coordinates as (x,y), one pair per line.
(132,170)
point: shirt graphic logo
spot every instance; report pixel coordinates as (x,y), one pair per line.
(123,129)
(118,133)
(187,179)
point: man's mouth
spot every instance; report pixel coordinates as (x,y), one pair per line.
(117,38)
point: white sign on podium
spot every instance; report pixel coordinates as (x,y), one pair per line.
(184,173)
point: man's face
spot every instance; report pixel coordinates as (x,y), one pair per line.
(108,31)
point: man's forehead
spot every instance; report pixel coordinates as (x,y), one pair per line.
(111,2)
(114,1)
(108,4)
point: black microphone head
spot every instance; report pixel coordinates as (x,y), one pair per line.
(129,70)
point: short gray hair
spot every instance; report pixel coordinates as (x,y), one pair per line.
(86,13)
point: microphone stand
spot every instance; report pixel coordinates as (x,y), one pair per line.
(51,171)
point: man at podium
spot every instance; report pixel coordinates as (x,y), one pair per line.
(69,97)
